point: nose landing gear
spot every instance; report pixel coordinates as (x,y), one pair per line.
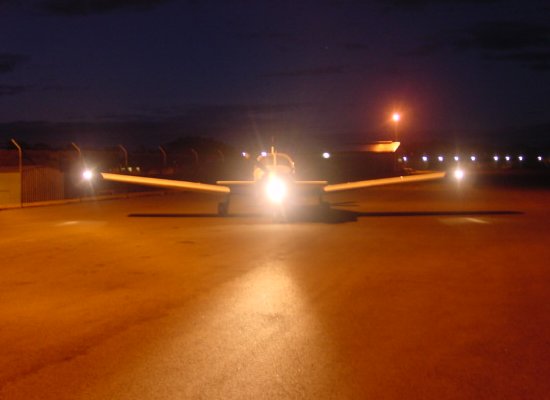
(223,207)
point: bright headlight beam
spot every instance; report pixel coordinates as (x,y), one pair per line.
(87,175)
(276,189)
(459,174)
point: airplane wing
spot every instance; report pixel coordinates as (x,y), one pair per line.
(236,183)
(225,186)
(166,183)
(311,183)
(384,181)
(252,183)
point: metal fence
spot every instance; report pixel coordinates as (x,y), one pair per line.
(40,183)
(38,175)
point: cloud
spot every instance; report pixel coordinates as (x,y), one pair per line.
(423,3)
(535,60)
(410,4)
(267,36)
(239,109)
(504,36)
(218,110)
(307,72)
(281,41)
(427,49)
(89,7)
(527,43)
(12,90)
(356,46)
(10,61)
(524,42)
(155,125)
(203,119)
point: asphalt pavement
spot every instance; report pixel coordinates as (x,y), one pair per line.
(423,291)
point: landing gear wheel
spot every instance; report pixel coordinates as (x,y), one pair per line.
(324,206)
(223,208)
(278,215)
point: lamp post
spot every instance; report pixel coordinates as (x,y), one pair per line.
(396,117)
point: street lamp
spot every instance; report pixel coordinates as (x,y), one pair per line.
(396,117)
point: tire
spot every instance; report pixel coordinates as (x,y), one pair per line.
(223,208)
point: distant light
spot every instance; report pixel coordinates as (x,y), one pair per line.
(459,174)
(495,158)
(129,169)
(396,117)
(263,153)
(456,158)
(473,158)
(405,159)
(326,155)
(440,158)
(425,158)
(507,158)
(87,175)
(539,158)
(520,158)
(245,154)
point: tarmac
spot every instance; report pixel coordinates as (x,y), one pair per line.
(432,290)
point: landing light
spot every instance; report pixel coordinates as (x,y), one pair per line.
(507,158)
(495,158)
(276,189)
(459,174)
(425,158)
(456,158)
(405,159)
(473,158)
(87,175)
(539,158)
(326,155)
(440,158)
(263,153)
(520,158)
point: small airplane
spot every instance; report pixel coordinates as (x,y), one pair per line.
(273,181)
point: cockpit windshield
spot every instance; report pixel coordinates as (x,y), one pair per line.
(279,159)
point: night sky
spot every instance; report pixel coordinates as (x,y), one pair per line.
(102,72)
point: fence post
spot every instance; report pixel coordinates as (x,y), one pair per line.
(125,156)
(20,152)
(164,157)
(77,149)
